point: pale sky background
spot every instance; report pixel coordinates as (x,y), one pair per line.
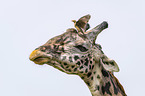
(27,24)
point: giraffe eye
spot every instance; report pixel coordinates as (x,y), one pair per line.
(81,48)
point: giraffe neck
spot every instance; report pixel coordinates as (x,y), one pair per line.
(103,83)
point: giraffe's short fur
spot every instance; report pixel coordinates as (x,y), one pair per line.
(75,52)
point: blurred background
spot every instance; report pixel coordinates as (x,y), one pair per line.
(27,24)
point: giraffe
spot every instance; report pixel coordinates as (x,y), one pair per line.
(75,52)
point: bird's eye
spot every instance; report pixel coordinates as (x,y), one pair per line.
(81,48)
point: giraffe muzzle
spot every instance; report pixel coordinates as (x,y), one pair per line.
(38,57)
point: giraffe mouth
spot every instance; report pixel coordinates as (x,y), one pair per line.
(38,57)
(40,60)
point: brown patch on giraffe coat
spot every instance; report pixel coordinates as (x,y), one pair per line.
(118,84)
(106,88)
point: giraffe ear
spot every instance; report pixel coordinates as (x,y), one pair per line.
(109,65)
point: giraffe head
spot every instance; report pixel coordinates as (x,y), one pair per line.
(75,51)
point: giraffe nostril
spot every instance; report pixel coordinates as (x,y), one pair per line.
(43,49)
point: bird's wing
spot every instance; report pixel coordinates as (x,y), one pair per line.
(83,22)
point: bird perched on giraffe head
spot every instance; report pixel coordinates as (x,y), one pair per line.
(82,24)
